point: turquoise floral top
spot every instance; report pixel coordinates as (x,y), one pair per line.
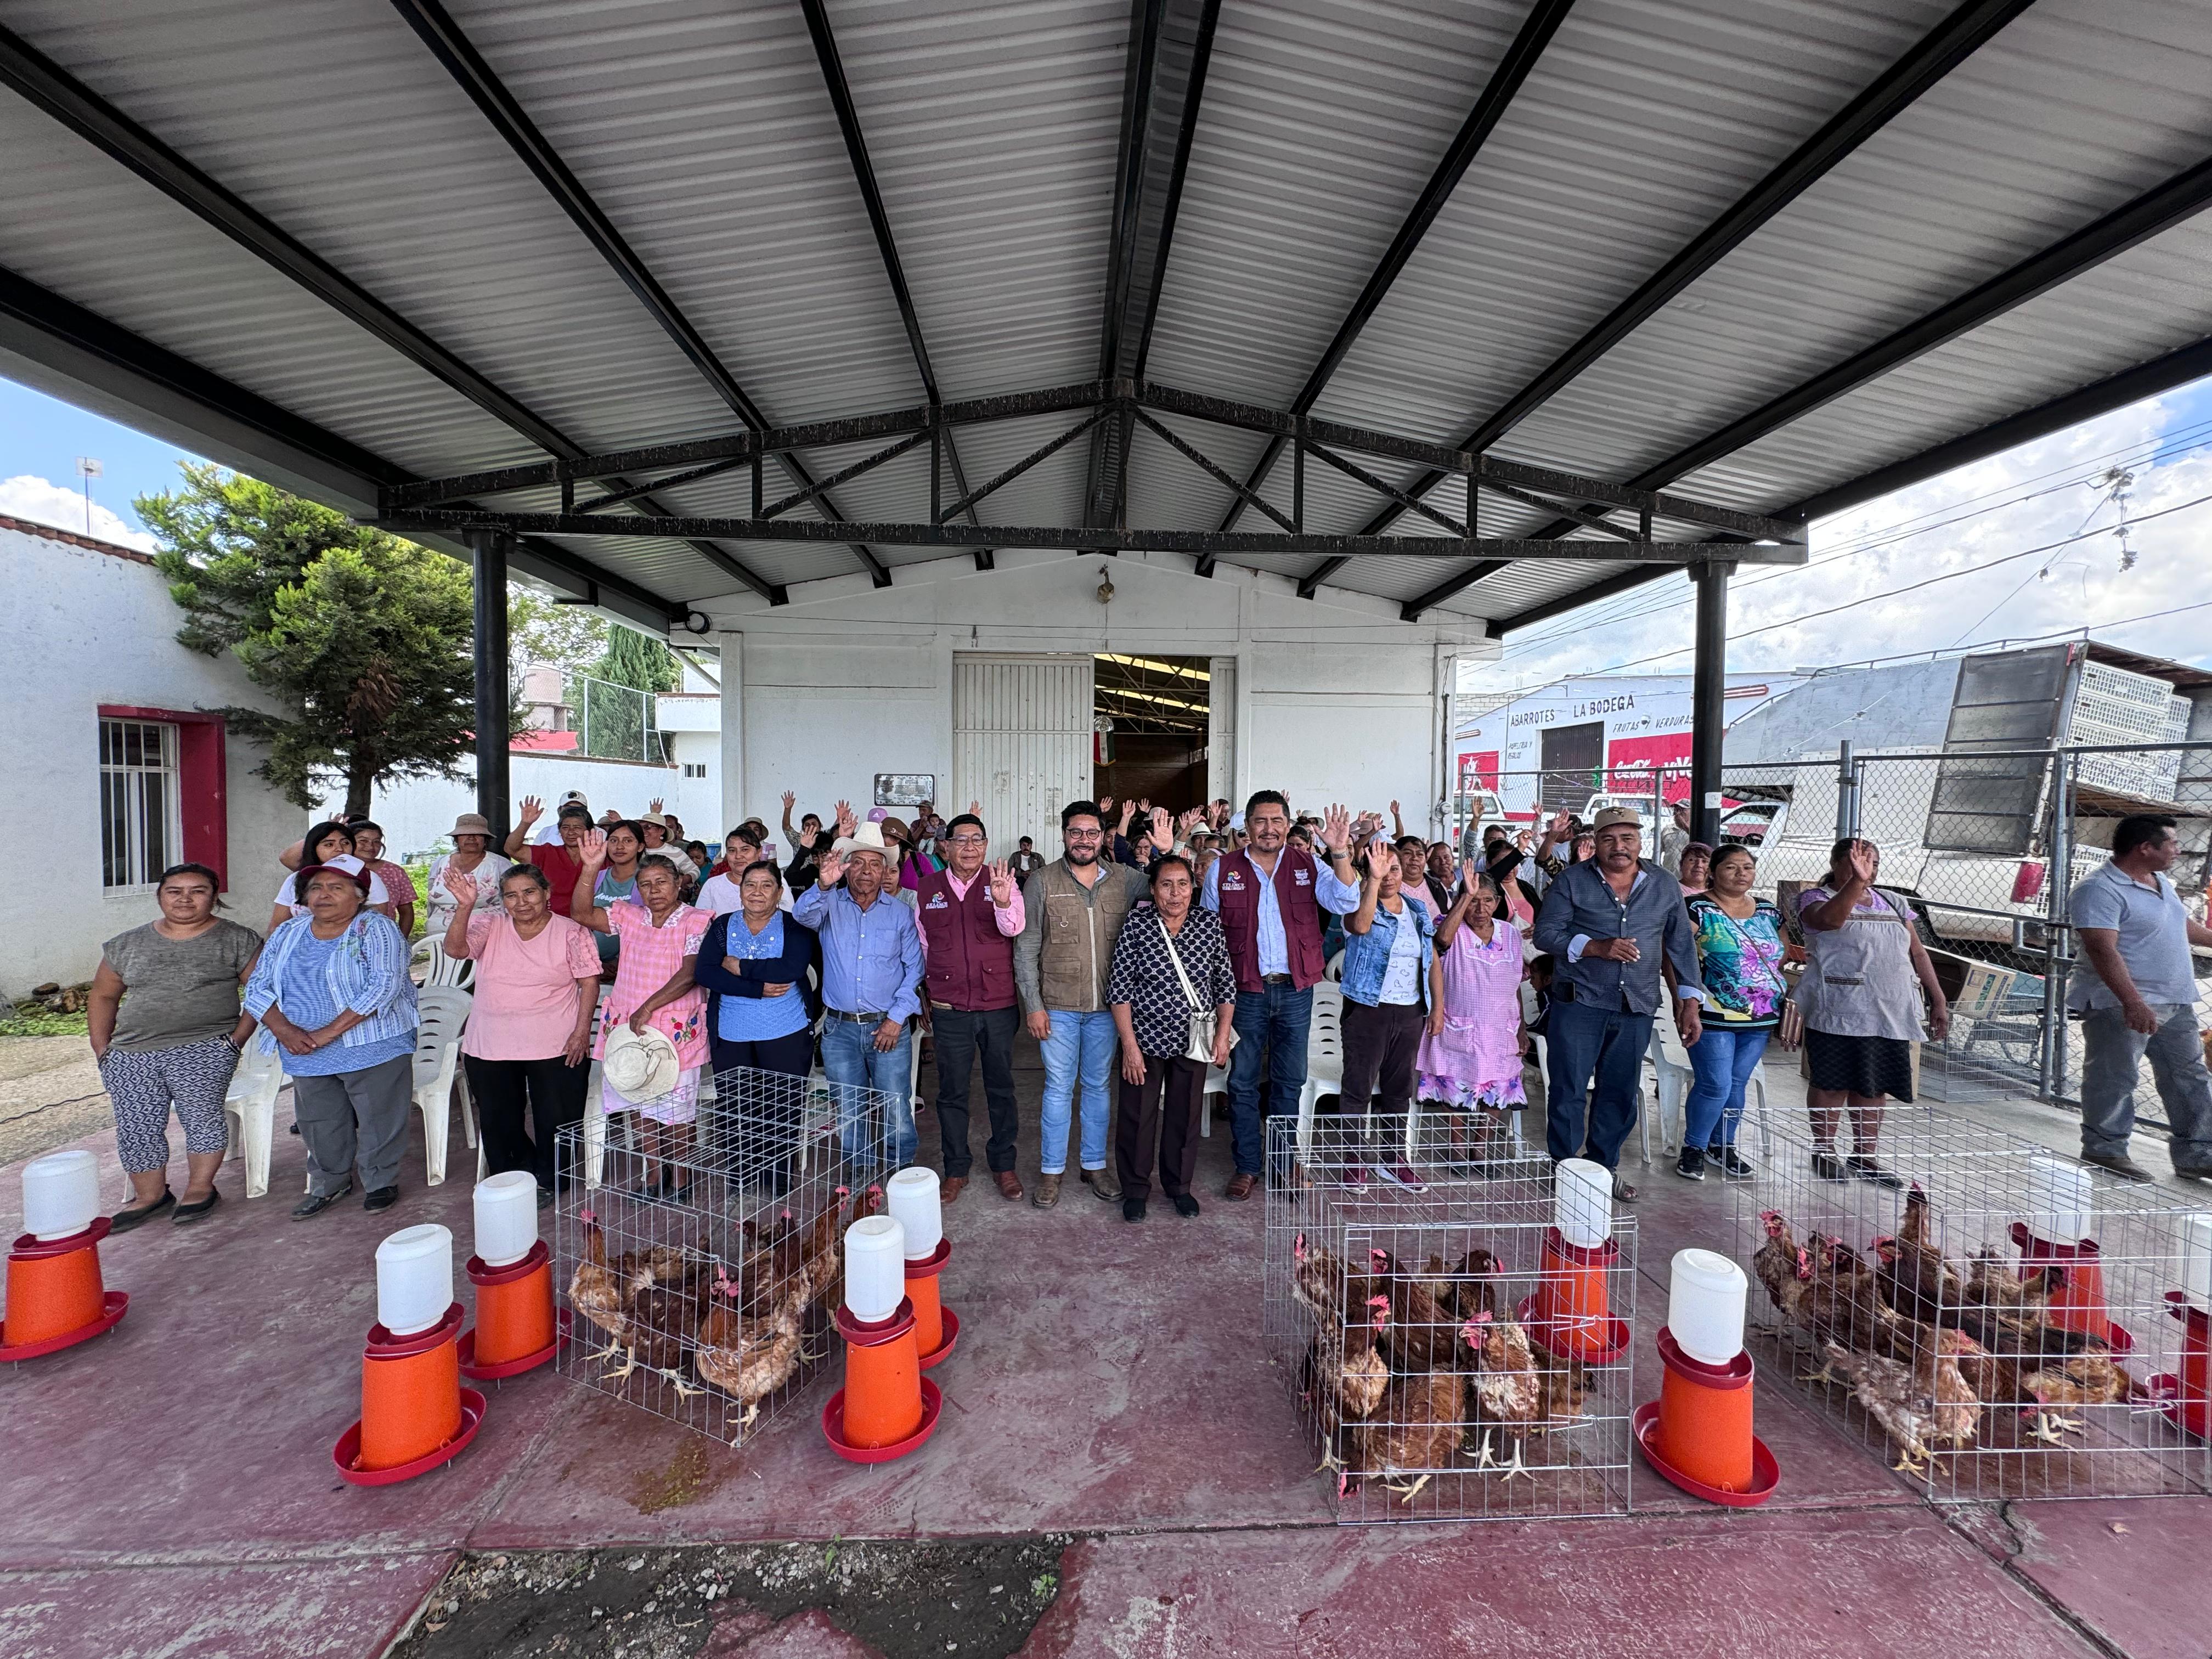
(1740,963)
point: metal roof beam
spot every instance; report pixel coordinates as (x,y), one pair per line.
(2159,208)
(1171,45)
(76,106)
(452,49)
(871,197)
(56,345)
(1498,92)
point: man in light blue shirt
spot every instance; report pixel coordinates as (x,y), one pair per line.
(2137,996)
(870,987)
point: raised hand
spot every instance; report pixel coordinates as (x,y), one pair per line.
(1105,806)
(1561,823)
(1188,821)
(1382,858)
(1865,861)
(1336,828)
(1128,811)
(1002,883)
(462,886)
(655,807)
(533,810)
(848,820)
(831,870)
(1163,831)
(790,801)
(1394,812)
(975,808)
(591,849)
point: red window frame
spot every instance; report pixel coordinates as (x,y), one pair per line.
(203,781)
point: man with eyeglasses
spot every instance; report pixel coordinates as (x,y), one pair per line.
(1076,906)
(970,915)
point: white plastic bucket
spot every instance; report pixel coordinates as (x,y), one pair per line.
(2060,1199)
(507,1217)
(911,1198)
(2197,1259)
(61,1194)
(1705,1306)
(875,1268)
(414,1278)
(1583,1195)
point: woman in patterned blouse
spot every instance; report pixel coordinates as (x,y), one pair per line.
(1739,944)
(1152,1012)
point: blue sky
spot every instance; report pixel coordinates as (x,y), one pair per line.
(41,437)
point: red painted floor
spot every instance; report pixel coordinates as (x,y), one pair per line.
(168,1489)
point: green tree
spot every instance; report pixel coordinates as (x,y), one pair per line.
(361,639)
(631,658)
(539,630)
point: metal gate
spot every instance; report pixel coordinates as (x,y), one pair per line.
(1021,744)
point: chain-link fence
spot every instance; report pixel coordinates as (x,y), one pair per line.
(610,722)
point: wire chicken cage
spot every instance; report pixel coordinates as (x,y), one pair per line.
(2002,1323)
(713,1307)
(1423,1333)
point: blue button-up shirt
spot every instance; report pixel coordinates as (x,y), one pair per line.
(871,959)
(1341,898)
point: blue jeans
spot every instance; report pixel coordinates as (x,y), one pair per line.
(1582,1040)
(1270,1024)
(1079,1052)
(1723,1060)
(850,1061)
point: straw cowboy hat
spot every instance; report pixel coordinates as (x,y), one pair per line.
(864,838)
(642,1067)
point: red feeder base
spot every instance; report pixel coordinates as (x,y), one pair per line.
(943,1350)
(1552,1336)
(1765,1473)
(833,1426)
(347,1450)
(530,1362)
(118,1303)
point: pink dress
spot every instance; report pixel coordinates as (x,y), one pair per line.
(1476,1061)
(650,955)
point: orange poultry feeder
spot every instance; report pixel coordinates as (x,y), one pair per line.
(2187,1399)
(513,1270)
(56,1297)
(887,1407)
(1698,1433)
(415,1414)
(2077,1303)
(1571,1313)
(912,1198)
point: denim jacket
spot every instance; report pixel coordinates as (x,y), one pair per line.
(1367,956)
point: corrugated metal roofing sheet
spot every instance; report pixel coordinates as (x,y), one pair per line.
(704,130)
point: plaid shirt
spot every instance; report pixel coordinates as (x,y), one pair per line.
(367,974)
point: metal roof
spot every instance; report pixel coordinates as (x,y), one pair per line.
(1769,252)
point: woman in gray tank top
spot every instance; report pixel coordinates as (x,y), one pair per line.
(1860,996)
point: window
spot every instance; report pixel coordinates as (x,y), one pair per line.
(694,769)
(141,832)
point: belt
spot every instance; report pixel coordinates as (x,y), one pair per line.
(1276,978)
(855,1019)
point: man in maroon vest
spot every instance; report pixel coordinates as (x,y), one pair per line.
(970,915)
(1270,896)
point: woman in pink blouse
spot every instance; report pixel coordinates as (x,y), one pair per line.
(529,1030)
(652,987)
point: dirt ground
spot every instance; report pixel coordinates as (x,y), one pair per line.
(899,1599)
(50,1095)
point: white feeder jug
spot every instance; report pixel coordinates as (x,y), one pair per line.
(507,1217)
(414,1278)
(911,1197)
(2060,1201)
(875,1268)
(61,1194)
(1583,1195)
(1705,1306)
(2197,1259)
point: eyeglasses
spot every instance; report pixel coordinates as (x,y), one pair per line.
(965,841)
(1083,835)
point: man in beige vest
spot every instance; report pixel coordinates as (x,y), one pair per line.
(1076,905)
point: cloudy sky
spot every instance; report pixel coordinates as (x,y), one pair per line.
(1964,544)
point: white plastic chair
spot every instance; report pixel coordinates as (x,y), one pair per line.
(1674,1076)
(1333,974)
(595,1104)
(251,1100)
(459,973)
(443,1011)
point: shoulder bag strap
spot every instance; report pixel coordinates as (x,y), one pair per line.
(1189,991)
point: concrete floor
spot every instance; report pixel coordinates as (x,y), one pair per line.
(167,1489)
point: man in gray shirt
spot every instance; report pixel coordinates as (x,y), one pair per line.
(1607,922)
(2137,996)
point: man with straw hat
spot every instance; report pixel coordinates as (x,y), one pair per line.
(870,983)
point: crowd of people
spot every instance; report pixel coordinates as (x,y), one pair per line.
(1152,948)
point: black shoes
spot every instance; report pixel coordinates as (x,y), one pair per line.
(316,1203)
(188,1213)
(1133,1209)
(1867,1169)
(1185,1204)
(382,1199)
(1690,1166)
(123,1220)
(1829,1167)
(1733,1167)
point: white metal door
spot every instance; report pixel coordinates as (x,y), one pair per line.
(1021,744)
(1221,730)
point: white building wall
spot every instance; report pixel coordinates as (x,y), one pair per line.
(1335,697)
(83,624)
(417,815)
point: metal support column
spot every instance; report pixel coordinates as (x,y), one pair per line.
(1709,699)
(2058,966)
(1847,791)
(488,552)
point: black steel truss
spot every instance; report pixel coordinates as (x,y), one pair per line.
(1758,539)
(454,49)
(47,87)
(1497,93)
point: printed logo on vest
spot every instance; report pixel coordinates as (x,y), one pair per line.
(937,902)
(1303,877)
(1232,882)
